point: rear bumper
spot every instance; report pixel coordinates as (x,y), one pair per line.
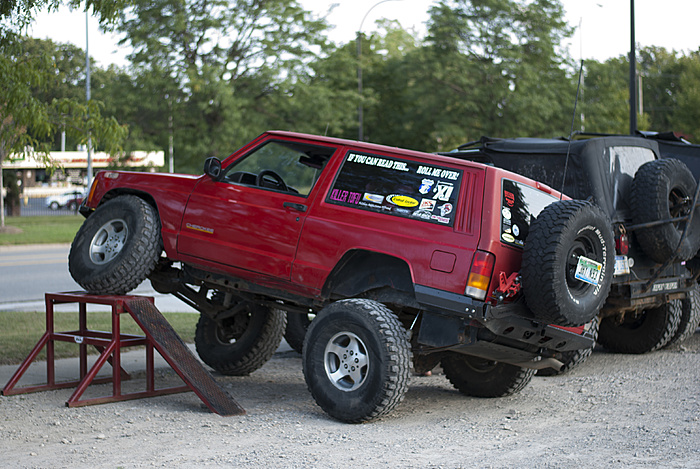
(457,322)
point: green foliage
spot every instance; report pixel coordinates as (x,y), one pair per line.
(605,102)
(226,67)
(212,75)
(685,115)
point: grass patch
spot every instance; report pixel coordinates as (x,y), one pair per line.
(19,331)
(42,229)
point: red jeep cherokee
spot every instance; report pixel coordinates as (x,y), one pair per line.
(407,259)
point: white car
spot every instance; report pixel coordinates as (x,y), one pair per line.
(70,200)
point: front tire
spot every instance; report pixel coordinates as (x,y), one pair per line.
(242,343)
(357,360)
(643,332)
(480,377)
(117,247)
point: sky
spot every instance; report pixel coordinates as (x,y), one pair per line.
(602,26)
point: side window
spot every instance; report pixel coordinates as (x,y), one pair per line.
(397,187)
(624,163)
(520,203)
(627,160)
(280,166)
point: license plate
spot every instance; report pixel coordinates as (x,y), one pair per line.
(622,265)
(588,270)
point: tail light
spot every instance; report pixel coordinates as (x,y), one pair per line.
(480,275)
(622,245)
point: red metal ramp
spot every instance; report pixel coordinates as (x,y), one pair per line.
(159,335)
(180,358)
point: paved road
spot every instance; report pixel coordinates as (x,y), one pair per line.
(27,272)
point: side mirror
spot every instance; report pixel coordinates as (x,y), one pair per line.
(212,168)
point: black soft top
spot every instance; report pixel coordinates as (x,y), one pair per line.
(598,169)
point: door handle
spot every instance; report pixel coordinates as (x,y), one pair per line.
(295,206)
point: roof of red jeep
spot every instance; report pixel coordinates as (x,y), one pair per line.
(371,146)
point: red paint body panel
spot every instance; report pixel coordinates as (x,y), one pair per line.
(249,233)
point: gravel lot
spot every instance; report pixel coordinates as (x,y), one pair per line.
(614,411)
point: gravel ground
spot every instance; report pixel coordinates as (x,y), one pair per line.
(614,411)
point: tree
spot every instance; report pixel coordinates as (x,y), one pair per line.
(233,62)
(488,67)
(15,15)
(685,117)
(25,120)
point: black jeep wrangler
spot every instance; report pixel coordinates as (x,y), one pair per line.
(650,199)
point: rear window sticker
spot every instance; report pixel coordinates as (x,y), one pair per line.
(397,187)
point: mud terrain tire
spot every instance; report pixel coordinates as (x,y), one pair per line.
(564,231)
(658,191)
(117,247)
(690,318)
(297,325)
(241,344)
(357,360)
(480,377)
(646,332)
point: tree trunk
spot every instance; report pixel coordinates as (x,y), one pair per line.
(2,199)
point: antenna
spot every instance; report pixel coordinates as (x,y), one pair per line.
(571,131)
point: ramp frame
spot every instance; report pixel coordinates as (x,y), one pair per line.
(109,344)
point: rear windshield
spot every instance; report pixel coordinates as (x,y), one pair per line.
(397,187)
(520,203)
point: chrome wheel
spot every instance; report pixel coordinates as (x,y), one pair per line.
(109,241)
(346,361)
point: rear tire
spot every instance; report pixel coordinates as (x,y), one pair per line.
(241,344)
(117,247)
(297,325)
(690,318)
(357,360)
(641,333)
(480,377)
(562,233)
(573,358)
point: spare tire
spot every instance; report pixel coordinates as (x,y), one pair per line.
(568,263)
(664,189)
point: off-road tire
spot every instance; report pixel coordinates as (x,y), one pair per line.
(646,332)
(117,247)
(574,358)
(561,233)
(297,325)
(241,344)
(480,377)
(358,333)
(690,318)
(657,189)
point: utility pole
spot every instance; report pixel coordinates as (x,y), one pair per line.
(87,96)
(633,74)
